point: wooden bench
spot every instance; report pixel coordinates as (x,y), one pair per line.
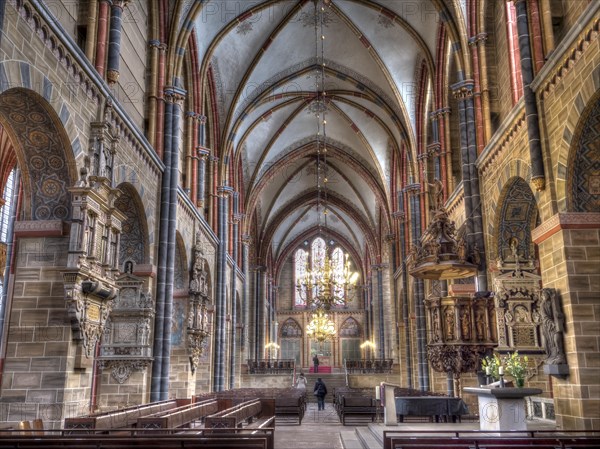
(477,440)
(125,417)
(359,407)
(156,441)
(235,416)
(179,417)
(290,408)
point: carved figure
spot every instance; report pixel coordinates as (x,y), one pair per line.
(437,194)
(465,324)
(479,325)
(449,317)
(514,244)
(553,326)
(436,325)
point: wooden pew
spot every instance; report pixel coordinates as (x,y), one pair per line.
(290,406)
(179,417)
(358,407)
(125,417)
(155,441)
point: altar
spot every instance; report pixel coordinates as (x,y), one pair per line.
(502,408)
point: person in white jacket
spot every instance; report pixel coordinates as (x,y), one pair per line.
(301,382)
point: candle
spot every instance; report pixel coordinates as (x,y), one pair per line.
(488,371)
(501,370)
(377,393)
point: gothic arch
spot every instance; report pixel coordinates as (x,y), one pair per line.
(39,140)
(583,169)
(134,235)
(350,328)
(516,216)
(587,98)
(290,329)
(181,274)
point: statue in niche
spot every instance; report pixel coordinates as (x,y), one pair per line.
(436,325)
(553,327)
(479,325)
(198,283)
(449,317)
(465,324)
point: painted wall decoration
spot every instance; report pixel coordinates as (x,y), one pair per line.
(132,241)
(39,138)
(584,167)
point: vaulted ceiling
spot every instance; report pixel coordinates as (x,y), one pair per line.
(269,61)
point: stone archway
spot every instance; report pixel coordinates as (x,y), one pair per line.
(583,194)
(134,238)
(40,142)
(45,159)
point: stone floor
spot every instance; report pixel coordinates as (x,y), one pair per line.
(319,430)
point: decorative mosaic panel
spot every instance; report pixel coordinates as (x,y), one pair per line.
(133,241)
(518,211)
(584,171)
(39,139)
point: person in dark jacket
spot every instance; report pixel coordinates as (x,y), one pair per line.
(316,363)
(320,391)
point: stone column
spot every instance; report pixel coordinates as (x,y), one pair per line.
(400,216)
(114,40)
(103,12)
(463,91)
(414,191)
(538,178)
(378,268)
(221,290)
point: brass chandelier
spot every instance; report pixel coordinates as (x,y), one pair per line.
(321,328)
(328,282)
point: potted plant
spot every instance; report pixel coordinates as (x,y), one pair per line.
(516,367)
(490,366)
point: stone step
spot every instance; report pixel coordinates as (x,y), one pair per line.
(350,440)
(368,438)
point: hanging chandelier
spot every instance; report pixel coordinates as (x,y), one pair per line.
(328,281)
(321,328)
(327,284)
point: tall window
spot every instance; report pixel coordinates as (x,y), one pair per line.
(5,210)
(314,260)
(300,259)
(514,54)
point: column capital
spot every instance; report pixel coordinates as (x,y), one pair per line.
(463,89)
(155,43)
(399,216)
(478,39)
(119,3)
(175,95)
(413,189)
(434,149)
(224,191)
(202,152)
(380,266)
(238,217)
(390,238)
(246,239)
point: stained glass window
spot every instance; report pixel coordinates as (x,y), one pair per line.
(337,265)
(300,258)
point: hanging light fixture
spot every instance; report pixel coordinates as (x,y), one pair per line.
(321,328)
(328,282)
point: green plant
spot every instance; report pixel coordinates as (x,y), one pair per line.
(516,365)
(492,362)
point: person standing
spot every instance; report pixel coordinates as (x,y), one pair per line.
(316,363)
(301,382)
(320,392)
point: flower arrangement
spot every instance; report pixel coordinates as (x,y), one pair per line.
(491,365)
(516,366)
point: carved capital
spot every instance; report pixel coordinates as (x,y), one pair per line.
(112,76)
(463,89)
(539,183)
